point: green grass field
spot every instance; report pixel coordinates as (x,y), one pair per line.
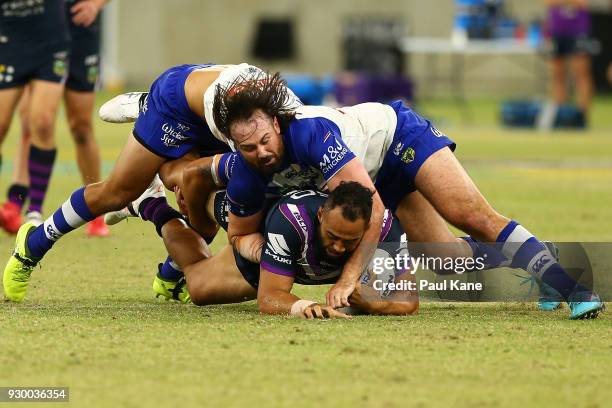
(89,321)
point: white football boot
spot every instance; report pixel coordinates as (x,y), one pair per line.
(155,189)
(124,108)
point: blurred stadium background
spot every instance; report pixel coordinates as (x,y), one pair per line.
(90,321)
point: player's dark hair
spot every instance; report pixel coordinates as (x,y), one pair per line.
(354,198)
(239,99)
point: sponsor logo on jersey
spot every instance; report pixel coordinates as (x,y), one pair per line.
(334,155)
(278,258)
(277,244)
(408,155)
(436,132)
(398,148)
(277,248)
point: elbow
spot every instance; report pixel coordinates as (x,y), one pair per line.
(264,304)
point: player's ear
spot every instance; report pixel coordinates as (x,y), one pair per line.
(320,214)
(276,125)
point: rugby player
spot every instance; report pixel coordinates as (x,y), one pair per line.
(309,235)
(175,117)
(412,163)
(79,98)
(34,51)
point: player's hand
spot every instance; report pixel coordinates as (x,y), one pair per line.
(180,201)
(84,13)
(338,295)
(318,311)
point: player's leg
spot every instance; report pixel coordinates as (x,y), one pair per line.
(580,64)
(171,172)
(210,280)
(444,182)
(558,84)
(79,112)
(133,172)
(45,97)
(9,97)
(10,212)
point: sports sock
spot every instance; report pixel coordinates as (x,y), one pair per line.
(158,211)
(40,166)
(17,194)
(71,215)
(526,252)
(170,271)
(491,255)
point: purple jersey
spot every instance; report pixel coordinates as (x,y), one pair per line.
(567,21)
(292,246)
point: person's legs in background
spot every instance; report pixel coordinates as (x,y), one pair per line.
(17,193)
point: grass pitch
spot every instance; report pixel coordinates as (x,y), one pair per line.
(89,321)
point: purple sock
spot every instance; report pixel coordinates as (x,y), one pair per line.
(40,166)
(158,211)
(18,194)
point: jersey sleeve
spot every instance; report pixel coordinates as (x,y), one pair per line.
(282,245)
(317,142)
(225,168)
(246,191)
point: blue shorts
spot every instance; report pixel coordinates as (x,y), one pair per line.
(19,68)
(167,126)
(415,139)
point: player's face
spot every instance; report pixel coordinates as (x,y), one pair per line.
(259,141)
(339,236)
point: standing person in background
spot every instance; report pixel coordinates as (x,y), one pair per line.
(34,51)
(31,179)
(568,24)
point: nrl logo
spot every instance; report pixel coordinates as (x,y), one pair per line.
(408,155)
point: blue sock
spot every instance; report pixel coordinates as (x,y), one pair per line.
(528,253)
(71,215)
(170,271)
(492,257)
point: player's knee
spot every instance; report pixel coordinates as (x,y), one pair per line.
(42,126)
(81,131)
(199,293)
(114,197)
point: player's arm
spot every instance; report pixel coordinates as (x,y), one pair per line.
(240,234)
(320,141)
(198,182)
(245,194)
(357,263)
(398,303)
(274,297)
